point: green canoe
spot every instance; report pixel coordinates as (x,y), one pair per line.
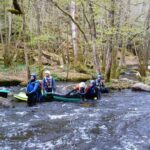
(4,93)
(64,98)
(49,97)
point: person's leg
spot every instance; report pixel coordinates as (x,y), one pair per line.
(29,101)
(83,97)
(49,90)
(40,99)
(98,93)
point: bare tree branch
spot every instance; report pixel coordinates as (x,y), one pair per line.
(75,22)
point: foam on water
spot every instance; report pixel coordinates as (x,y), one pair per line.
(103,127)
(83,133)
(53,117)
(116,123)
(8,124)
(129,146)
(21,113)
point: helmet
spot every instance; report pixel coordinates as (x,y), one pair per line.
(34,75)
(47,72)
(99,76)
(92,81)
(82,85)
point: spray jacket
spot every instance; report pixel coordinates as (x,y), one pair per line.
(49,84)
(34,90)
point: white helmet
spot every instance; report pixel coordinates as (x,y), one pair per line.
(82,85)
(47,72)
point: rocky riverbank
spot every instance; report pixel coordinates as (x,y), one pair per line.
(12,77)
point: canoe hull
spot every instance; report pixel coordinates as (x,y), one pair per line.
(51,97)
(65,99)
(4,93)
(20,98)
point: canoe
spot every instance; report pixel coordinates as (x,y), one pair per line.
(65,98)
(50,97)
(21,96)
(4,93)
(72,96)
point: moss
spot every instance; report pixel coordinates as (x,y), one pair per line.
(146,80)
(80,68)
(118,85)
(83,69)
(57,77)
(13,11)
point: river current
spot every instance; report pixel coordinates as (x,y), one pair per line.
(119,121)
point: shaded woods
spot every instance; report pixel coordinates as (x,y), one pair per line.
(75,34)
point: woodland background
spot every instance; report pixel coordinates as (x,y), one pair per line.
(87,36)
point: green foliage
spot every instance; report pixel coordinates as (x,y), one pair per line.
(14,69)
(13,11)
(57,78)
(45,38)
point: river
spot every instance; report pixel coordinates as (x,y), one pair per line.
(119,121)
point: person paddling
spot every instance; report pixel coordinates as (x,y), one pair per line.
(33,91)
(81,89)
(49,85)
(92,90)
(100,83)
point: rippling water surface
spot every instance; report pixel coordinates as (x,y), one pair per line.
(119,121)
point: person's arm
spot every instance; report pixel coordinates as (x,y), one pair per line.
(27,89)
(103,83)
(97,84)
(87,89)
(54,84)
(36,86)
(44,85)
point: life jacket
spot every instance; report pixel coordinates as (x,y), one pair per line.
(41,84)
(81,90)
(91,90)
(49,82)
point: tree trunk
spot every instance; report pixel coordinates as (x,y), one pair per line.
(68,58)
(109,56)
(37,7)
(6,53)
(10,25)
(94,37)
(24,41)
(125,39)
(74,29)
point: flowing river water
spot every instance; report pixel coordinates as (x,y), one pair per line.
(119,121)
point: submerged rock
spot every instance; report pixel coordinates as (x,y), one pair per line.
(141,87)
(5,103)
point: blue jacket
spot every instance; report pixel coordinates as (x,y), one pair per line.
(92,90)
(34,89)
(49,83)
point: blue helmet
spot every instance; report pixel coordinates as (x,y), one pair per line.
(34,75)
(92,81)
(99,76)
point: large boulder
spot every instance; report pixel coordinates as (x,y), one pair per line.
(141,87)
(5,103)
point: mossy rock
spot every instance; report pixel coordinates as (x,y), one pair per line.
(147,80)
(9,82)
(14,11)
(118,85)
(81,68)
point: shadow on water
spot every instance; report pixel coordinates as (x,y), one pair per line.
(119,121)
